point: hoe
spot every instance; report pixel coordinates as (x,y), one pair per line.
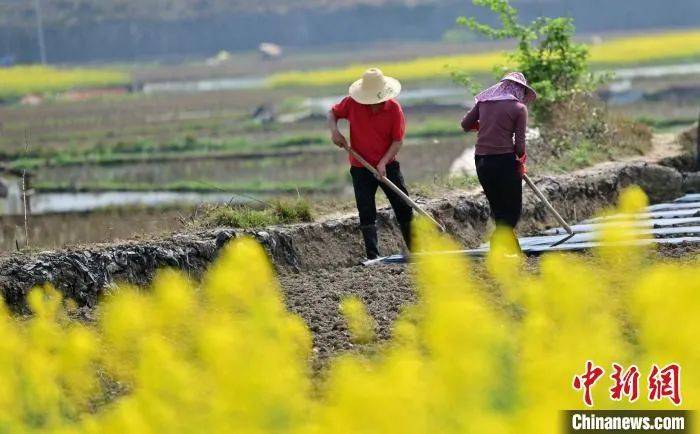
(551,209)
(393,186)
(421,211)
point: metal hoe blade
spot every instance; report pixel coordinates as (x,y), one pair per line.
(563,240)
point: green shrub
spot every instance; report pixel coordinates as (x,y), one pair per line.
(666,123)
(553,63)
(458,36)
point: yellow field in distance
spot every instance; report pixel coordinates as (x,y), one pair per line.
(661,47)
(23,80)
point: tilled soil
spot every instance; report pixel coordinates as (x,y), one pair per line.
(387,289)
(682,251)
(384,289)
(316,296)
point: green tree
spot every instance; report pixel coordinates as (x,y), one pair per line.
(555,65)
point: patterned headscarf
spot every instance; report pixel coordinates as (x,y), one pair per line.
(502,91)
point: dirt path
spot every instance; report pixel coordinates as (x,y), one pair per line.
(663,146)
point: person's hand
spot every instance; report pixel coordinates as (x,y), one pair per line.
(520,165)
(339,139)
(381,168)
(522,169)
(475,127)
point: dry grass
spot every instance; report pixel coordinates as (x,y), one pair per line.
(283,211)
(582,132)
(689,139)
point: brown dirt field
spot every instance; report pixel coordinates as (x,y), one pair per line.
(388,289)
(315,296)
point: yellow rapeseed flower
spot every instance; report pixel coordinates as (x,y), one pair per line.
(21,80)
(640,49)
(224,355)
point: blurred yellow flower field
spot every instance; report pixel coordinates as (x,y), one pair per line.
(226,356)
(654,47)
(22,80)
(418,69)
(661,47)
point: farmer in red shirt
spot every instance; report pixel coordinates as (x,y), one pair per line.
(377,128)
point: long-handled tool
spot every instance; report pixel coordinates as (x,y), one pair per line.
(551,209)
(393,187)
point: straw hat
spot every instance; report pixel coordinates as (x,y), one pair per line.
(518,77)
(374,87)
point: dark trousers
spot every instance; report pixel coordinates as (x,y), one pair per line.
(365,186)
(502,185)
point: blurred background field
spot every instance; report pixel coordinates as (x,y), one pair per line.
(155,119)
(18,81)
(616,52)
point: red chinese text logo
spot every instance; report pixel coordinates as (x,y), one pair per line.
(662,382)
(586,380)
(665,383)
(626,383)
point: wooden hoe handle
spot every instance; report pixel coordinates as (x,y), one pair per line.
(548,205)
(393,187)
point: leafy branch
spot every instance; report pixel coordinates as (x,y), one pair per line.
(556,66)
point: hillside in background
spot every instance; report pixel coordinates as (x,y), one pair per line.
(80,12)
(85,30)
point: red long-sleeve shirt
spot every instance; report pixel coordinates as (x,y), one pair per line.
(372,132)
(502,126)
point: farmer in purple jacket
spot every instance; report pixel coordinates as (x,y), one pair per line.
(500,117)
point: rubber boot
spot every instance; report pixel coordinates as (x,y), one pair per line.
(369,234)
(406,232)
